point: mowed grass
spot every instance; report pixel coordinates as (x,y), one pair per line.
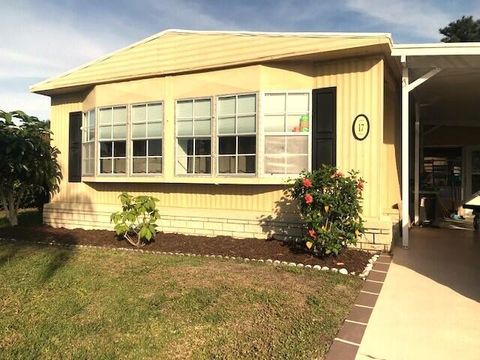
(103,304)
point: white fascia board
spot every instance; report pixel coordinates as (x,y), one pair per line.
(471,48)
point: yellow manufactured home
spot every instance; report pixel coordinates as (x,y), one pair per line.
(214,124)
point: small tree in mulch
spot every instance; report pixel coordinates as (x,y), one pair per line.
(330,206)
(136,221)
(29,167)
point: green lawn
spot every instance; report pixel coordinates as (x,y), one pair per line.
(101,304)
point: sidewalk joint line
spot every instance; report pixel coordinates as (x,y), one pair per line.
(375,281)
(379,271)
(364,306)
(356,322)
(347,342)
(369,292)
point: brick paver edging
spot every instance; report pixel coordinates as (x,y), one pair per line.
(343,271)
(346,343)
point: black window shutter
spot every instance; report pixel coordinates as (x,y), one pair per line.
(324,127)
(75,147)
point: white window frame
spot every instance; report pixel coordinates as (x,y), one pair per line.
(195,137)
(236,135)
(98,141)
(131,139)
(87,141)
(263,134)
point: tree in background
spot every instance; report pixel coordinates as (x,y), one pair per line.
(465,29)
(28,163)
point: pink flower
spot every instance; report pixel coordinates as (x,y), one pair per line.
(308,199)
(312,233)
(360,185)
(337,174)
(307,183)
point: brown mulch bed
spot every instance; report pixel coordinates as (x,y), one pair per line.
(352,260)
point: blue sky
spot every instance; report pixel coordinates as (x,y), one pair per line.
(42,39)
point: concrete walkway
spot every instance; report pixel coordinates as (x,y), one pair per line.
(429,306)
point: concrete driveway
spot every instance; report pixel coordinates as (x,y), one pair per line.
(429,306)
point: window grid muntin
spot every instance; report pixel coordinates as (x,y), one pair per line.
(193,137)
(112,141)
(88,143)
(285,114)
(146,138)
(236,134)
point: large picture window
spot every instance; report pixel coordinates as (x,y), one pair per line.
(112,128)
(236,129)
(88,143)
(147,134)
(193,119)
(286,124)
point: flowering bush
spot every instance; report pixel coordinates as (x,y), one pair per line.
(330,205)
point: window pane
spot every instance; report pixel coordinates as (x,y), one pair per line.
(202,165)
(294,123)
(274,164)
(202,147)
(185,165)
(85,151)
(91,115)
(139,165)
(246,104)
(226,125)
(275,144)
(202,127)
(185,128)
(120,132)
(91,151)
(227,145)
(120,115)
(105,166)
(105,116)
(91,133)
(106,132)
(155,112)
(139,131)
(139,113)
(185,109)
(274,103)
(246,145)
(227,165)
(155,130)
(185,147)
(119,166)
(106,149)
(246,124)
(155,165)
(297,144)
(246,164)
(274,123)
(119,148)
(91,166)
(202,108)
(155,147)
(296,163)
(297,103)
(226,106)
(139,147)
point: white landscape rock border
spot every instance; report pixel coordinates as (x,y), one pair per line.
(363,275)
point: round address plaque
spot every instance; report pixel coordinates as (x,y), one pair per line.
(361,127)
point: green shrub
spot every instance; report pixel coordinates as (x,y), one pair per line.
(136,221)
(330,206)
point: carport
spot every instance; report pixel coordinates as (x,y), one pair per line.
(441,122)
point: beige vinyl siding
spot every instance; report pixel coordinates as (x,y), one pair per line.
(359,84)
(175,52)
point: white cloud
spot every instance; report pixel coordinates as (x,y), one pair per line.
(32,104)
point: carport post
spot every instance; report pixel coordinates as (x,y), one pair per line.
(405,151)
(406,88)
